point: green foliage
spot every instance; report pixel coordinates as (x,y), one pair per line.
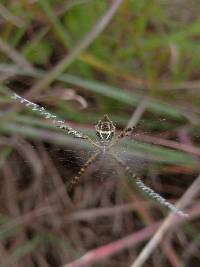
(38,53)
(82,17)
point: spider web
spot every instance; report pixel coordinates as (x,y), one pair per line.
(90,161)
(105,166)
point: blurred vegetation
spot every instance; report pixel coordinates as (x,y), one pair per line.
(150,50)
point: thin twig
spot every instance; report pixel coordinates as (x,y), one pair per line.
(7,15)
(93,214)
(171,255)
(191,149)
(186,199)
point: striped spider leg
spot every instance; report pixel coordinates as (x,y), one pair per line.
(124,133)
(150,192)
(76,178)
(52,117)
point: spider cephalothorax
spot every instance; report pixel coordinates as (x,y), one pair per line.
(105,130)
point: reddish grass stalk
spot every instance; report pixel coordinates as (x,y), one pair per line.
(168,143)
(134,239)
(171,255)
(102,252)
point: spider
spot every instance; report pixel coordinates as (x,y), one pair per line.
(105,141)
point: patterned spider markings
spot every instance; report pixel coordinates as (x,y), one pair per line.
(106,139)
(105,131)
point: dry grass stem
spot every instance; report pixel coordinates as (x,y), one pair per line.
(7,15)
(15,56)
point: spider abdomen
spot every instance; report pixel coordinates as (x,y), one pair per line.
(105,135)
(105,130)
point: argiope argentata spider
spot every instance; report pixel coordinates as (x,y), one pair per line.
(106,140)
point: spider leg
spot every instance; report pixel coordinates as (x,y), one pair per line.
(150,192)
(124,133)
(76,178)
(47,115)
